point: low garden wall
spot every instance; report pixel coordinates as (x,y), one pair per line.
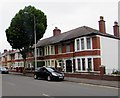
(89,75)
(93,76)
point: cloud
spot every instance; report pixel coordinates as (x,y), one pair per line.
(67,14)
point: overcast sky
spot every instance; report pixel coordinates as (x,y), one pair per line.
(64,14)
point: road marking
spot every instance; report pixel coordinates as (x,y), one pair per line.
(99,86)
(47,95)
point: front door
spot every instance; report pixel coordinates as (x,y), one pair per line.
(68,66)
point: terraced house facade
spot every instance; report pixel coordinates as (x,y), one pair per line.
(79,50)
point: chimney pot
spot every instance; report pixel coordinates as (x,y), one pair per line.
(116,29)
(102,27)
(56,27)
(101,18)
(115,23)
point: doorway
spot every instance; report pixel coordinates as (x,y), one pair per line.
(68,66)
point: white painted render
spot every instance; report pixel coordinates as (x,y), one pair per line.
(18,55)
(119,55)
(109,53)
(8,57)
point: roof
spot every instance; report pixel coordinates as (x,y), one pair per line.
(78,32)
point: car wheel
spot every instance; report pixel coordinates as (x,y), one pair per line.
(35,76)
(48,78)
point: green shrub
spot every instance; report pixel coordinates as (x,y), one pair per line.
(116,72)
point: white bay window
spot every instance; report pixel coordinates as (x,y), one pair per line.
(83,43)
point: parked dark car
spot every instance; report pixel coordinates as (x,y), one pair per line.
(48,73)
(4,70)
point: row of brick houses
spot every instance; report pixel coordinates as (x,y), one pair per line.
(13,59)
(79,50)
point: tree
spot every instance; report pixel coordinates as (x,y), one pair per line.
(20,33)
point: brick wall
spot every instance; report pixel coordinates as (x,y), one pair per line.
(96,42)
(87,53)
(93,76)
(97,63)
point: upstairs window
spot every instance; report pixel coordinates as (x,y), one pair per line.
(78,44)
(88,43)
(59,49)
(48,50)
(67,48)
(82,44)
(41,52)
(52,49)
(38,52)
(19,56)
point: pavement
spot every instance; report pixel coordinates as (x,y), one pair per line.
(82,80)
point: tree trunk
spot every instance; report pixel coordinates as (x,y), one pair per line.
(23,53)
(24,69)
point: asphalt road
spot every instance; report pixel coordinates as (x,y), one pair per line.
(13,85)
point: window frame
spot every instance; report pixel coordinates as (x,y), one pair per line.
(83,66)
(88,64)
(40,52)
(52,49)
(89,43)
(67,45)
(79,64)
(59,49)
(82,44)
(77,44)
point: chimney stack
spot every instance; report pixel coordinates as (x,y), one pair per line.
(5,50)
(102,28)
(56,31)
(116,29)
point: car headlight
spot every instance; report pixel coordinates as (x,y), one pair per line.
(54,74)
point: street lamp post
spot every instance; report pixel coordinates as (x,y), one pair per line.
(35,43)
(35,50)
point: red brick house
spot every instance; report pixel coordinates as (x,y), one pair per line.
(81,49)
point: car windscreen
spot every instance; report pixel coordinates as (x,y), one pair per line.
(3,68)
(50,69)
(37,69)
